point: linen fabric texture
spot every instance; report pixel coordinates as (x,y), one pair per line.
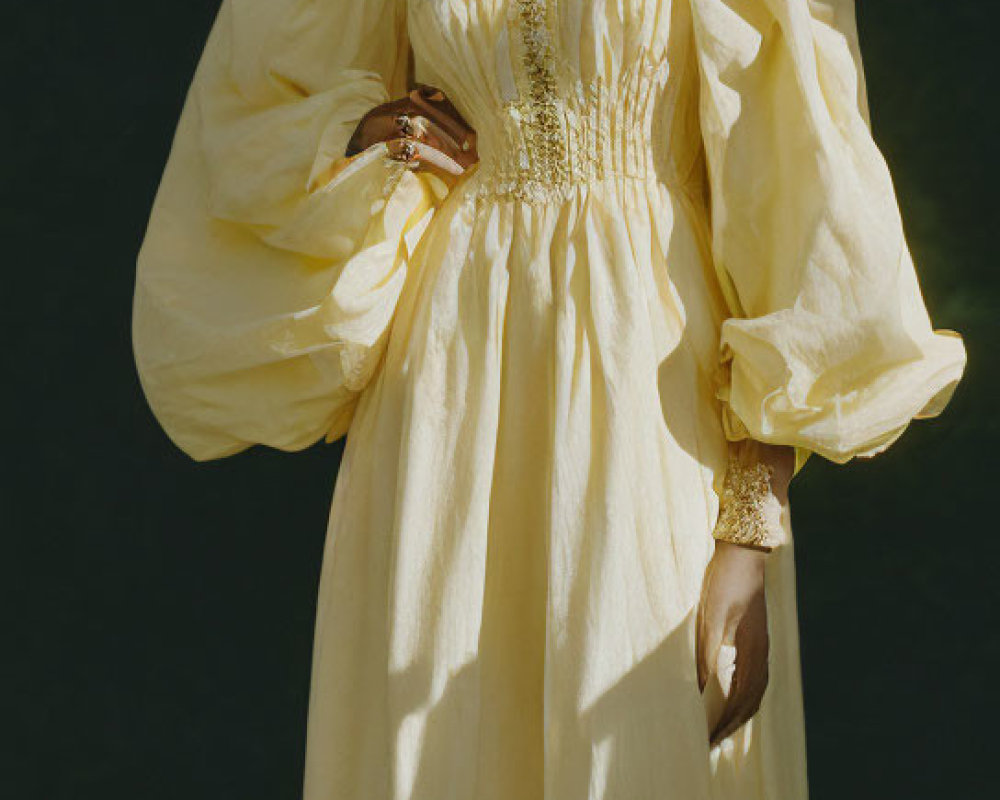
(680,233)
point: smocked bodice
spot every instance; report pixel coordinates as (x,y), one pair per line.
(560,94)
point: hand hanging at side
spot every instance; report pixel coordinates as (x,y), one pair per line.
(732,613)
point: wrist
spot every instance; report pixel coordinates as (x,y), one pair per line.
(753,556)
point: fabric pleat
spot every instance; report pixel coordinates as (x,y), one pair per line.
(680,233)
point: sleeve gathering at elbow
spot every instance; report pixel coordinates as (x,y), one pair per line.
(271,267)
(829,347)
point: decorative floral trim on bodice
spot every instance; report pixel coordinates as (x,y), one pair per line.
(556,133)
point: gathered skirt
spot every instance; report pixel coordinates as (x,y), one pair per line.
(522,521)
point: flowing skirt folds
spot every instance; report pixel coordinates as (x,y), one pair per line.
(522,521)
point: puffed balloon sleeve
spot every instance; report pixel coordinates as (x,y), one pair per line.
(271,266)
(829,347)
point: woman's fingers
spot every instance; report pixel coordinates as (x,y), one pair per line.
(420,142)
(441,140)
(451,127)
(726,722)
(743,703)
(374,128)
(421,155)
(424,129)
(402,150)
(710,631)
(424,116)
(750,676)
(699,649)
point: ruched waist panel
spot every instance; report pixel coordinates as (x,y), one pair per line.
(542,146)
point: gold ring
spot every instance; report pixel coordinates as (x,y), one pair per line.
(405,124)
(406,152)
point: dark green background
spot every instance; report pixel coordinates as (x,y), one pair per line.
(159,613)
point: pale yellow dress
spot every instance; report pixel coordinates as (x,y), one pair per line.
(680,232)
